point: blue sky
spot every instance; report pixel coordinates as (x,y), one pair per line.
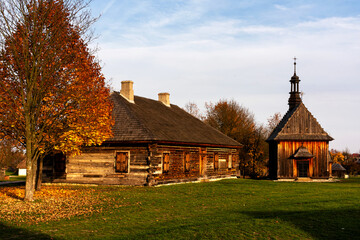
(207,50)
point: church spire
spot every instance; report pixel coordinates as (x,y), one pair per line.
(295,98)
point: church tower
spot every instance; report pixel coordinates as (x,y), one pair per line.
(294,99)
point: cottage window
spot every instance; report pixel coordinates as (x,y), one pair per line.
(187,162)
(223,163)
(166,162)
(216,161)
(122,162)
(230,162)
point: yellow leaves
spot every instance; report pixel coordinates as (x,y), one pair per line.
(51,203)
(338,157)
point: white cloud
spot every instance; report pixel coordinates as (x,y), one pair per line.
(107,7)
(281,7)
(251,63)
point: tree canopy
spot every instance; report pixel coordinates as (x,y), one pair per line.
(52,93)
(238,123)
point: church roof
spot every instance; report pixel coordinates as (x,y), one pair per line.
(299,124)
(151,120)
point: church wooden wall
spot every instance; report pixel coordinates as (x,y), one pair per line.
(286,149)
(273,156)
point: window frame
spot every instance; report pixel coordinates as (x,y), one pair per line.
(216,162)
(127,167)
(165,166)
(230,164)
(186,162)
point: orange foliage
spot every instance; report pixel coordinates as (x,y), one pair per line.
(51,85)
(238,123)
(52,203)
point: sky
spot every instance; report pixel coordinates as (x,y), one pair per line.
(206,50)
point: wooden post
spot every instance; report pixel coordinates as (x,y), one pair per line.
(2,173)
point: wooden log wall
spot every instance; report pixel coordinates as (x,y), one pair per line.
(317,148)
(201,163)
(98,166)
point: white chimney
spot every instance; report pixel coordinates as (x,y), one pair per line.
(127,90)
(164,98)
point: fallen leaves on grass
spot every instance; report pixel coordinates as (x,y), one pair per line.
(51,203)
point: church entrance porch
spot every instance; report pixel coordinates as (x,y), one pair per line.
(302,168)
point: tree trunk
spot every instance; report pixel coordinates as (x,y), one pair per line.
(39,174)
(31,161)
(30,179)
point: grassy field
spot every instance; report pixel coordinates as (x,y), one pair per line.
(13,177)
(227,209)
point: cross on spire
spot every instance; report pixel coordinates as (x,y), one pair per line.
(295,65)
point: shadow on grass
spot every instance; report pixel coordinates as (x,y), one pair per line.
(322,224)
(7,232)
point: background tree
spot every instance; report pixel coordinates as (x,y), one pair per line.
(10,154)
(52,93)
(337,157)
(194,110)
(238,123)
(273,121)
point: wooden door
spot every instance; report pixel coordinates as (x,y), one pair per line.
(303,168)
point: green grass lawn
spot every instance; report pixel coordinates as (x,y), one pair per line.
(13,177)
(227,209)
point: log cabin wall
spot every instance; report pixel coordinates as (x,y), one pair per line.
(318,167)
(97,165)
(201,163)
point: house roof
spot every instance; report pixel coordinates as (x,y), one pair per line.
(22,164)
(150,120)
(299,124)
(337,167)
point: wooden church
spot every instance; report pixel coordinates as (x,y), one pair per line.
(299,146)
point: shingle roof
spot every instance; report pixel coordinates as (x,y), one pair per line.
(302,152)
(337,167)
(150,120)
(22,164)
(299,124)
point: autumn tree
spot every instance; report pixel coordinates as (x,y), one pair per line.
(238,123)
(337,157)
(273,121)
(52,93)
(10,153)
(193,109)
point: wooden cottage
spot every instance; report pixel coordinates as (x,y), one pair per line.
(298,146)
(154,142)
